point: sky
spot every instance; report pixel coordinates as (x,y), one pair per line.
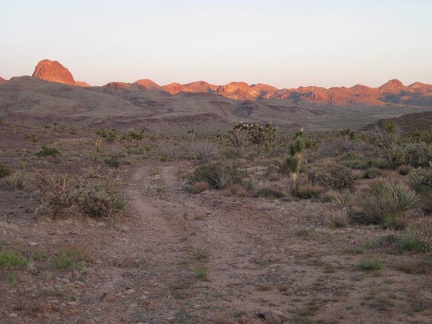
(286,44)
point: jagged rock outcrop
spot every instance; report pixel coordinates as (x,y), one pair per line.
(53,71)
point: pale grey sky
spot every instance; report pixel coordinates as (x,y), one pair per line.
(282,43)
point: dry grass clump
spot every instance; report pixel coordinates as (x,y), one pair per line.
(308,191)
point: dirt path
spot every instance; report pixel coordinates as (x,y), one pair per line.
(208,258)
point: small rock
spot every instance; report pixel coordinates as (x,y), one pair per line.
(129,263)
(13,315)
(125,229)
(130,291)
(273,317)
(108,297)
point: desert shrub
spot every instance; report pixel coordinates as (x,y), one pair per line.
(416,238)
(70,258)
(112,161)
(421,182)
(339,214)
(370,264)
(198,187)
(94,194)
(4,171)
(332,177)
(268,192)
(110,135)
(47,151)
(98,194)
(218,176)
(135,150)
(135,135)
(32,137)
(203,150)
(337,217)
(386,203)
(412,154)
(308,191)
(11,259)
(372,173)
(404,169)
(56,193)
(357,164)
(343,146)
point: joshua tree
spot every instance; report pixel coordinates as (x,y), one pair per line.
(293,162)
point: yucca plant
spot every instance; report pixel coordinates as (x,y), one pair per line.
(293,162)
(386,203)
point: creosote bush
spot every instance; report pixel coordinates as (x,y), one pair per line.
(332,177)
(218,176)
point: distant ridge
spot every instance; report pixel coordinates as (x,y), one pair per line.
(393,91)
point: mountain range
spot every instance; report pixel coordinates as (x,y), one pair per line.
(52,94)
(391,92)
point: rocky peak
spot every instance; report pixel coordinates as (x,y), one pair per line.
(53,71)
(392,86)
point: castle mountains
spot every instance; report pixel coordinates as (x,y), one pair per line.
(391,92)
(52,94)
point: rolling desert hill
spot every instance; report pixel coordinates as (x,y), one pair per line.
(52,94)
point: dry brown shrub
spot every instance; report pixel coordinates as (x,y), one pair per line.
(199,186)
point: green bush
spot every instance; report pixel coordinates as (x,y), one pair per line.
(47,151)
(4,171)
(332,177)
(10,259)
(70,258)
(370,264)
(112,161)
(386,202)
